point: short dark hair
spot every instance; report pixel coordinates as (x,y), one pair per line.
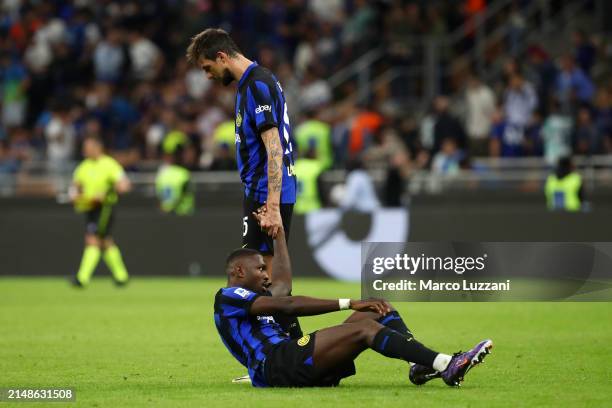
(240,253)
(208,43)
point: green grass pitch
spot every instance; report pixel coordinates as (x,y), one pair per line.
(154,344)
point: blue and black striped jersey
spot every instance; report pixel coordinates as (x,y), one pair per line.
(260,105)
(249,338)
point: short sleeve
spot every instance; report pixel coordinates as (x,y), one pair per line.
(77,176)
(115,170)
(236,301)
(261,102)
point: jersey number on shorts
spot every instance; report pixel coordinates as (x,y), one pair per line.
(245,226)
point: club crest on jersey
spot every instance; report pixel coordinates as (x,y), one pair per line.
(262,108)
(303,340)
(238,120)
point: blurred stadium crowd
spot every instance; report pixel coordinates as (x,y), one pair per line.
(117,69)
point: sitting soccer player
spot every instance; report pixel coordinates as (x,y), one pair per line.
(247,312)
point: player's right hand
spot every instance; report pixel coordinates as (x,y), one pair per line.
(261,215)
(380,306)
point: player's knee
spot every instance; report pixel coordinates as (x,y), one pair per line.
(368,329)
(92,240)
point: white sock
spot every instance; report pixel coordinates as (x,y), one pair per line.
(441,362)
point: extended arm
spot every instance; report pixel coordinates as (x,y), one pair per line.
(308,306)
(123,185)
(281,264)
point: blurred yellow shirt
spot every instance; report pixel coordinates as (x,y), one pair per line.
(97,178)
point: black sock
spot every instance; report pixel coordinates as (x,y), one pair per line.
(394,321)
(392,344)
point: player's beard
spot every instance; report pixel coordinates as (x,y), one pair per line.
(227,77)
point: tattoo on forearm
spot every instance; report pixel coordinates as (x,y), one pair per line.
(275,157)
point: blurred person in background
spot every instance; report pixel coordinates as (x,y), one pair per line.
(145,57)
(97,181)
(480,103)
(564,190)
(587,140)
(359,192)
(520,100)
(446,125)
(585,52)
(603,118)
(315,131)
(224,158)
(109,57)
(573,86)
(542,72)
(506,140)
(308,169)
(365,124)
(173,185)
(14,82)
(556,134)
(389,153)
(60,135)
(448,160)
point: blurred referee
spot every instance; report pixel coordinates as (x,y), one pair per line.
(96,183)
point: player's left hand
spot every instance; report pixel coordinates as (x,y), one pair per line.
(380,306)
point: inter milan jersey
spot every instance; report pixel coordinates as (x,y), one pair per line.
(260,105)
(249,338)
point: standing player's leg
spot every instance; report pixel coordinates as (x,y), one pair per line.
(114,261)
(89,260)
(112,254)
(91,252)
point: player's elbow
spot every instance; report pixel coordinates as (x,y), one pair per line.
(281,289)
(289,306)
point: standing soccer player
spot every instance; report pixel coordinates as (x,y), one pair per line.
(96,183)
(264,145)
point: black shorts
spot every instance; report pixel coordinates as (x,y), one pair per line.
(99,221)
(290,364)
(252,235)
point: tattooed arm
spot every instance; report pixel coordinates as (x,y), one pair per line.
(274,149)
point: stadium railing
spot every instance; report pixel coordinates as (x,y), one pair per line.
(485,174)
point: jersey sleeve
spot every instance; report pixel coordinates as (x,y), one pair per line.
(262,99)
(115,171)
(77,176)
(236,301)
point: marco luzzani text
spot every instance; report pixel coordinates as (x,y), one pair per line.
(415,264)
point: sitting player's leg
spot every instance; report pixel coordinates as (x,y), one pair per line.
(337,345)
(419,374)
(392,320)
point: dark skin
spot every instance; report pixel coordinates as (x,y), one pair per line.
(334,346)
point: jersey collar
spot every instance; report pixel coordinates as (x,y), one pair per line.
(246,73)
